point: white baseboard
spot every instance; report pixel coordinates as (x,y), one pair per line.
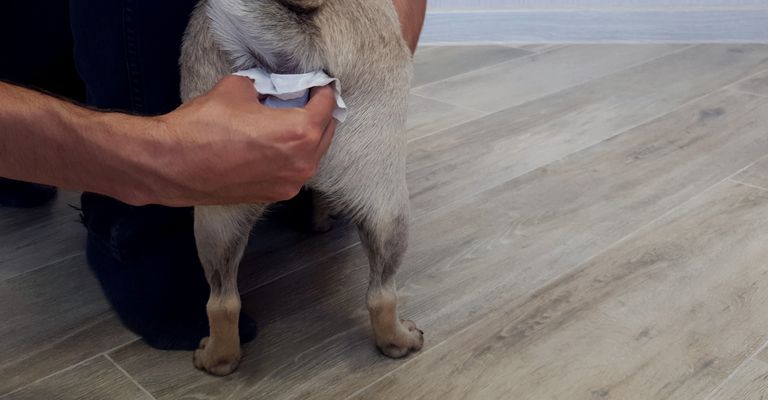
(578,26)
(439,5)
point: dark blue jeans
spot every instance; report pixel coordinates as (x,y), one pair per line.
(36,47)
(127,52)
(126,57)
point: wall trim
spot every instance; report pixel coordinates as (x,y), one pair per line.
(595,4)
(596,26)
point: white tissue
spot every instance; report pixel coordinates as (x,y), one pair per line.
(292,91)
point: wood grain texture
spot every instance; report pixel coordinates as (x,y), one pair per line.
(427,116)
(482,153)
(763,355)
(31,238)
(618,327)
(53,317)
(514,270)
(749,382)
(497,247)
(97,379)
(432,64)
(757,84)
(281,244)
(524,79)
(264,263)
(756,174)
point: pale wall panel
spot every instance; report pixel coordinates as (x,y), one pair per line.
(595,4)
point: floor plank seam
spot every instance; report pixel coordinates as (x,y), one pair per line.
(302,267)
(575,151)
(550,47)
(97,320)
(731,85)
(443,102)
(73,366)
(753,186)
(424,96)
(46,265)
(435,132)
(129,377)
(121,346)
(447,127)
(560,276)
(530,54)
(577,84)
(747,92)
(733,176)
(736,370)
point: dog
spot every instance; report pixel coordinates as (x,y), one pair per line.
(362,176)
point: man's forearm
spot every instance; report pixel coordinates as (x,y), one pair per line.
(47,140)
(223,147)
(411,13)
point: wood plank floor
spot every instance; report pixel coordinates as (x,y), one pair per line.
(590,222)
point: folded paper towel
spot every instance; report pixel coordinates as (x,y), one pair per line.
(292,91)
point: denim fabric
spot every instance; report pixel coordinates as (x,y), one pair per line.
(36,47)
(127,52)
(126,55)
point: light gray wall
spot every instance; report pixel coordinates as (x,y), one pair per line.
(595,4)
(596,21)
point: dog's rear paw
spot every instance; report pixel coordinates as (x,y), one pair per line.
(215,363)
(408,340)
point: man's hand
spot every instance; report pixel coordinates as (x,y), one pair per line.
(411,14)
(222,148)
(225,146)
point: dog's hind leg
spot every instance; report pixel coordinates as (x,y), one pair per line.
(383,228)
(221,234)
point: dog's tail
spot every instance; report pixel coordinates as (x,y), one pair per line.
(278,34)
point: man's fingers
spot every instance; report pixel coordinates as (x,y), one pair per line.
(239,87)
(321,104)
(325,140)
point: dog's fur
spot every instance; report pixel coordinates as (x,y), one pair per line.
(363,174)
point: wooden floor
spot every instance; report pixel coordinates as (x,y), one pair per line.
(589,222)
